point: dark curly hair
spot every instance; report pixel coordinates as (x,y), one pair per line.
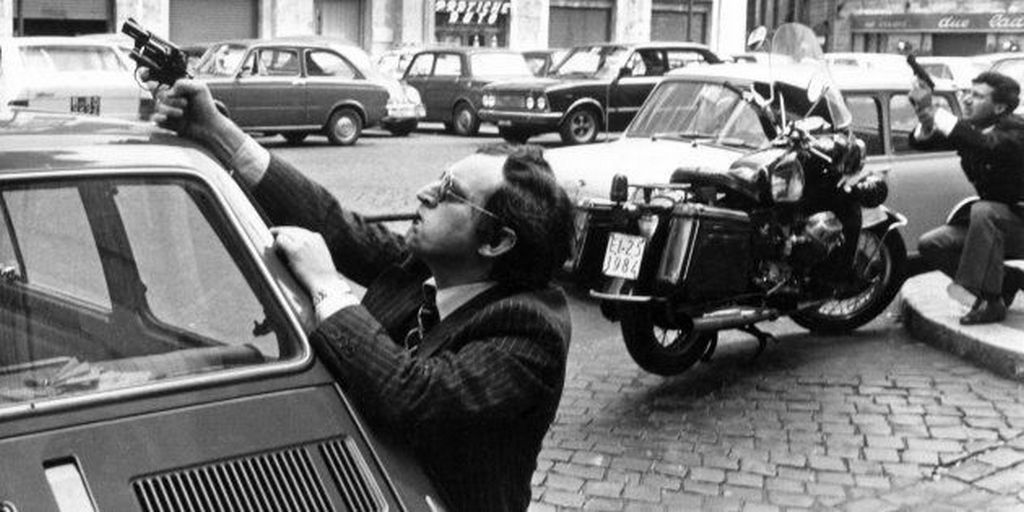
(1005,90)
(537,208)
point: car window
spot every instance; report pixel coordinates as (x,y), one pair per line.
(647,63)
(422,65)
(498,64)
(867,122)
(448,64)
(682,58)
(53,59)
(222,60)
(278,62)
(325,63)
(902,119)
(592,61)
(109,283)
(938,70)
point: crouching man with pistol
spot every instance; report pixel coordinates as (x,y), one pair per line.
(459,344)
(990,141)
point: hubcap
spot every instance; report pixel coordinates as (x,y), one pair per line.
(345,128)
(582,126)
(465,119)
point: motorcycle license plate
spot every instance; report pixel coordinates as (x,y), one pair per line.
(85,105)
(623,256)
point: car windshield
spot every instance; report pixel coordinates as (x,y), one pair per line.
(222,60)
(698,110)
(61,59)
(591,61)
(499,64)
(117,282)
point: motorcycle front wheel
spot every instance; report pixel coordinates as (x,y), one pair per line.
(660,350)
(887,262)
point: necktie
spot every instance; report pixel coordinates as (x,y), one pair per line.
(426,318)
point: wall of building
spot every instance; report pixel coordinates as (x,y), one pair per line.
(155,15)
(728,34)
(280,18)
(632,21)
(528,26)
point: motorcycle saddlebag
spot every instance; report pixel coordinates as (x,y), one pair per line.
(708,252)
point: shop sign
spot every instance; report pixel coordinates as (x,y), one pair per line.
(466,12)
(971,22)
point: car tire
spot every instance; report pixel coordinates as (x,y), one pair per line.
(402,128)
(344,127)
(581,126)
(465,122)
(514,135)
(294,137)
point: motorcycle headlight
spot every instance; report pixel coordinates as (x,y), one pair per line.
(787,181)
(529,102)
(542,103)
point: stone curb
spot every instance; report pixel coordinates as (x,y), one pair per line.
(931,316)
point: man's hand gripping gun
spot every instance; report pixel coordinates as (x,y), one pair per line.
(920,73)
(166,62)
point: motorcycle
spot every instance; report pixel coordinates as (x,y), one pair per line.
(793,229)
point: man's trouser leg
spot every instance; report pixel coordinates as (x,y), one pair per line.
(995,233)
(941,247)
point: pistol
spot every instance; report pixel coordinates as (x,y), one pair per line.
(920,73)
(166,62)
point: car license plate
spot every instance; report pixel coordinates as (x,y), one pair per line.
(86,105)
(504,122)
(623,256)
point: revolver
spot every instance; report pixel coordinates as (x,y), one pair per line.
(920,73)
(166,62)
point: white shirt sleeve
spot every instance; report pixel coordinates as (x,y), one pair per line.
(944,121)
(329,300)
(250,161)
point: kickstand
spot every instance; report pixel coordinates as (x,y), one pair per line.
(762,338)
(712,345)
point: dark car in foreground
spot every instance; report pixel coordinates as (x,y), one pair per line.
(154,351)
(450,81)
(594,87)
(302,86)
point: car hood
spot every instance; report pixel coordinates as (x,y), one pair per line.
(586,171)
(540,84)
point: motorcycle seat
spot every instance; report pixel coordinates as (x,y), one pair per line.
(751,189)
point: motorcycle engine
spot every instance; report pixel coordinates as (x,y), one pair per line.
(822,233)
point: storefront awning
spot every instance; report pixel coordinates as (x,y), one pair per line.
(972,22)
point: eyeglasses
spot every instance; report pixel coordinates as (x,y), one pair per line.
(444,192)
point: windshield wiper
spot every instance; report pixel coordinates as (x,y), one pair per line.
(737,142)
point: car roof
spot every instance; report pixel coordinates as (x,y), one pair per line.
(849,78)
(466,49)
(33,141)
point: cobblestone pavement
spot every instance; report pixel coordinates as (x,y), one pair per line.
(873,421)
(867,422)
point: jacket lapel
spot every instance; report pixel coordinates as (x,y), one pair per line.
(438,337)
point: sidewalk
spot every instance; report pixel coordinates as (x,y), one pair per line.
(932,316)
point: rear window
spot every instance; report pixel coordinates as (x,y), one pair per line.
(499,64)
(114,283)
(54,59)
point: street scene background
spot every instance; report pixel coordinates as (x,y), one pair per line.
(869,421)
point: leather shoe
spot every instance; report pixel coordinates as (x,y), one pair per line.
(985,311)
(1013,281)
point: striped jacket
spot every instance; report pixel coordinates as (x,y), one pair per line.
(477,398)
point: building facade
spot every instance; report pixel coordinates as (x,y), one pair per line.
(927,27)
(377,25)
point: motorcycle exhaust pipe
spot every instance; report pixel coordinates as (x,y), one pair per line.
(733,318)
(390,217)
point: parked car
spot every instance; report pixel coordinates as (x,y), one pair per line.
(295,88)
(667,134)
(70,74)
(155,352)
(960,70)
(394,62)
(541,62)
(867,61)
(450,81)
(594,86)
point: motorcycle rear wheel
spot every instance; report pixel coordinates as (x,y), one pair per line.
(660,350)
(844,315)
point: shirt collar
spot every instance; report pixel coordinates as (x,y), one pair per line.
(452,298)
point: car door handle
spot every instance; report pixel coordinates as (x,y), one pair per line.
(298,82)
